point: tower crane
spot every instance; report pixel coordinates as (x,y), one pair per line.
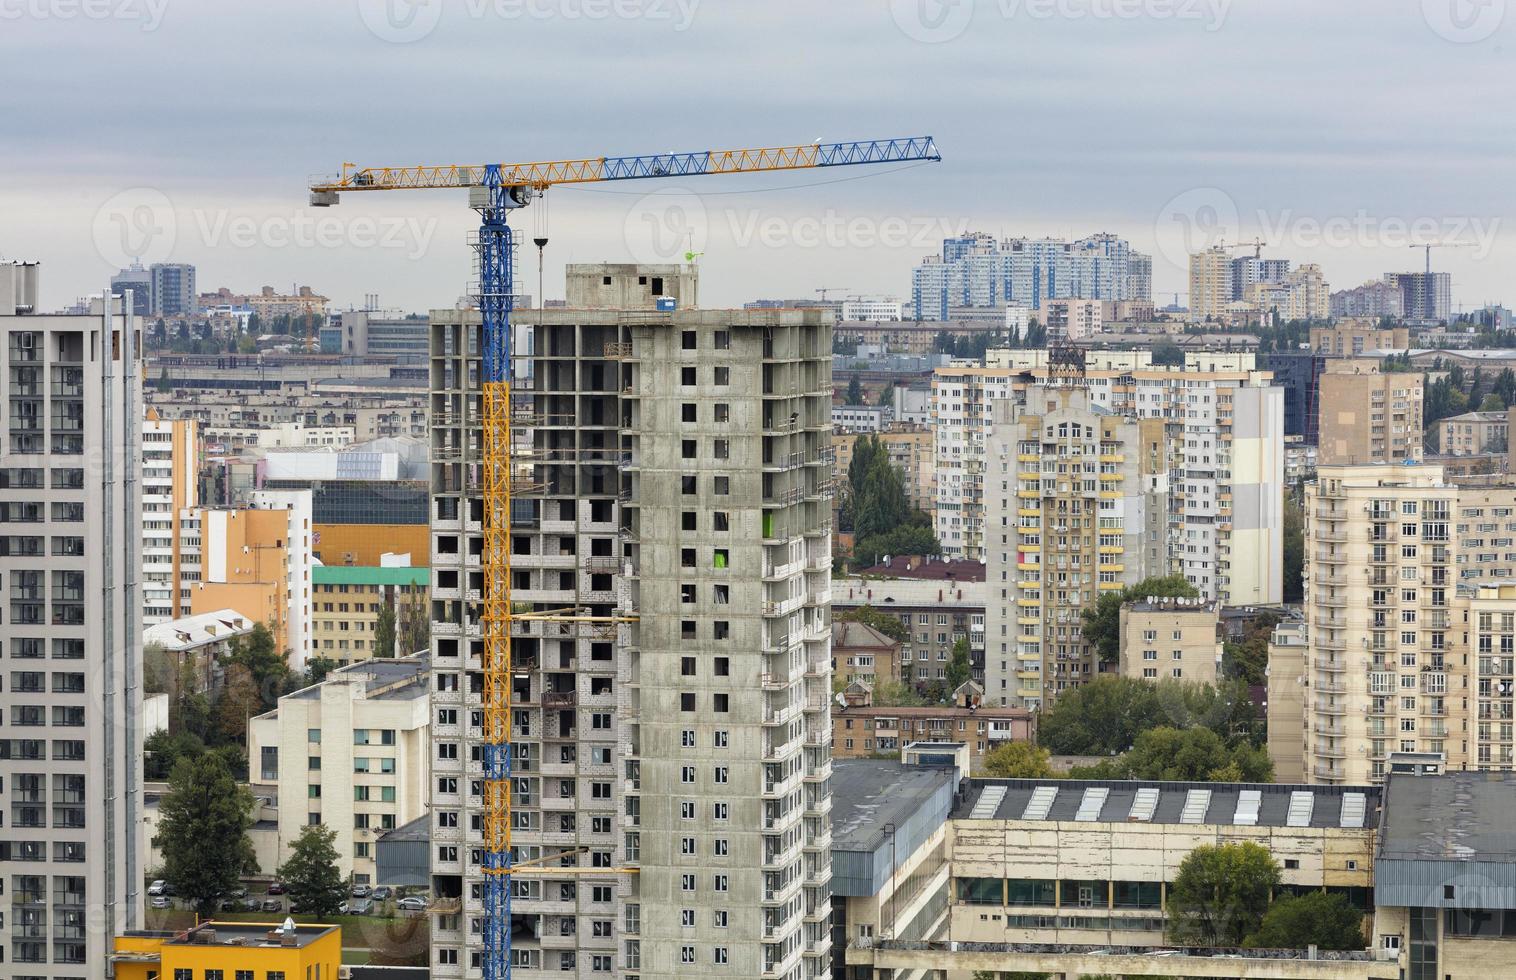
(1257,245)
(496,189)
(1428,246)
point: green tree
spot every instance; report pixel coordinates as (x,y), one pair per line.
(163,749)
(384,631)
(266,665)
(202,830)
(854,391)
(237,703)
(1101,717)
(1247,659)
(1194,755)
(316,669)
(311,875)
(896,694)
(416,634)
(1315,919)
(1168,353)
(1220,894)
(960,666)
(1102,624)
(1293,526)
(159,670)
(1019,760)
(890,626)
(1492,402)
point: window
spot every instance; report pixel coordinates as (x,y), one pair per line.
(719,918)
(719,811)
(686,882)
(719,882)
(687,917)
(718,955)
(686,954)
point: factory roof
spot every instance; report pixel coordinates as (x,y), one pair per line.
(1132,801)
(870,793)
(1461,816)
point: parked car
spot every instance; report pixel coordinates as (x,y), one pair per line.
(168,889)
(162,902)
(412,903)
(239,905)
(361,891)
(156,888)
(271,905)
(276,888)
(239,892)
(360,906)
(383,893)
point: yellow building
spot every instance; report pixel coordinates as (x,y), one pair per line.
(231,949)
(346,602)
(1368,416)
(1173,638)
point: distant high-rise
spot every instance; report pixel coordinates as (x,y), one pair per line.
(1211,284)
(140,282)
(1424,295)
(72,846)
(173,286)
(1375,298)
(1248,270)
(975,271)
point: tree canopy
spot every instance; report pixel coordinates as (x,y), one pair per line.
(1105,716)
(202,830)
(878,509)
(960,667)
(1194,755)
(1319,919)
(1019,760)
(311,875)
(1102,625)
(890,626)
(1220,894)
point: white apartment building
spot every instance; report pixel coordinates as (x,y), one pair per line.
(873,310)
(962,400)
(72,855)
(1068,320)
(352,753)
(170,484)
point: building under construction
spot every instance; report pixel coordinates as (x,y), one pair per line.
(670,675)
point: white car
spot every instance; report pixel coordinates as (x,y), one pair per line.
(411,904)
(162,902)
(156,888)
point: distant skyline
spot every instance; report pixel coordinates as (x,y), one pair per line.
(1340,133)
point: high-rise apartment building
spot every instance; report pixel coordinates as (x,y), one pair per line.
(139,282)
(1076,500)
(1385,664)
(1424,296)
(1211,284)
(173,287)
(962,399)
(1375,298)
(72,854)
(1301,294)
(1071,319)
(1248,270)
(673,469)
(170,485)
(1355,337)
(975,271)
(1366,416)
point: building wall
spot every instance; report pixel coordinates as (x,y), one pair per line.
(365,544)
(1287,696)
(70,711)
(316,778)
(1175,643)
(1369,417)
(345,615)
(171,459)
(862,731)
(961,418)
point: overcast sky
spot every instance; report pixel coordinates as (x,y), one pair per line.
(186,130)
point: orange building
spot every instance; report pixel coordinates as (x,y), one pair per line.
(364,544)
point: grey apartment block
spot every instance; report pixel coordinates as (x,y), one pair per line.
(673,467)
(71,851)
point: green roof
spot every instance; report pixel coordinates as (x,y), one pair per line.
(368,575)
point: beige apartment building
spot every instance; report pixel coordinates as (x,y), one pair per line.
(1303,294)
(1076,501)
(1368,416)
(1492,653)
(1071,319)
(1286,699)
(1171,638)
(1385,666)
(1474,434)
(862,654)
(1210,282)
(1351,337)
(962,398)
(345,605)
(351,753)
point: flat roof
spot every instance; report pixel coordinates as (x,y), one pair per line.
(1150,801)
(869,793)
(368,575)
(378,673)
(1464,816)
(249,934)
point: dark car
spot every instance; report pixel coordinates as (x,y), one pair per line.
(276,888)
(239,905)
(383,893)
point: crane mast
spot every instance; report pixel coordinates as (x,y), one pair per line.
(494,191)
